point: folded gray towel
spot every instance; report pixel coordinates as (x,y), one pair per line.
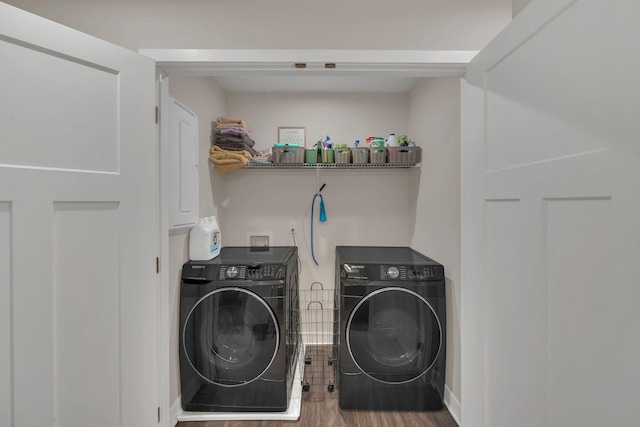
(229,129)
(234,146)
(234,138)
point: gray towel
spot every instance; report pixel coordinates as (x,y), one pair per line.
(234,146)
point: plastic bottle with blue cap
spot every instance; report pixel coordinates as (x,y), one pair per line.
(205,240)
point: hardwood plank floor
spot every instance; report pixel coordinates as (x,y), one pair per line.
(320,407)
(326,413)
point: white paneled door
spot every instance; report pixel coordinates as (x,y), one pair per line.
(550,209)
(78,229)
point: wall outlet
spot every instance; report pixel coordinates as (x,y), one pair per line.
(292,225)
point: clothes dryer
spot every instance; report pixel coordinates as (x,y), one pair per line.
(392,329)
(238,340)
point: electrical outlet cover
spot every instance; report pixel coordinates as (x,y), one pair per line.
(260,239)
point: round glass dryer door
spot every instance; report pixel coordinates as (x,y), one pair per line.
(393,335)
(235,334)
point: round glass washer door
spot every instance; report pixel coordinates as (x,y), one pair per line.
(236,337)
(394,335)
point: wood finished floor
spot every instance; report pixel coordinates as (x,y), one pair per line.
(326,413)
(320,407)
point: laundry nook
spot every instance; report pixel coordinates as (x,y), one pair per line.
(250,214)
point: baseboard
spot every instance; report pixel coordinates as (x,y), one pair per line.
(176,407)
(453,405)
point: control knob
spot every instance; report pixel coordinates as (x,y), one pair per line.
(393,272)
(232,272)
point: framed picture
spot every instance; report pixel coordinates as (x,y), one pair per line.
(292,135)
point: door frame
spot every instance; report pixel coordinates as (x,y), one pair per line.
(164,365)
(252,62)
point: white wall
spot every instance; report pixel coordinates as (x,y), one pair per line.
(344,116)
(435,198)
(364,207)
(206,99)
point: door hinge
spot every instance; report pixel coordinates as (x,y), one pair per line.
(157,114)
(158,414)
(157,265)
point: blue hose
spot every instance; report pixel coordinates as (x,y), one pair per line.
(323,217)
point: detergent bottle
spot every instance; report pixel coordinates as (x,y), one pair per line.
(392,141)
(199,242)
(216,237)
(205,240)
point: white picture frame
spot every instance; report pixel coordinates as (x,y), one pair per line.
(292,135)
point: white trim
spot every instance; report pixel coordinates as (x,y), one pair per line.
(164,363)
(248,56)
(176,408)
(260,62)
(453,405)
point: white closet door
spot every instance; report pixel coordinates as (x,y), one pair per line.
(550,211)
(78,229)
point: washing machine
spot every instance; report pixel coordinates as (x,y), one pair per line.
(392,329)
(238,338)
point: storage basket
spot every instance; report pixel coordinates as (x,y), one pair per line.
(378,155)
(405,155)
(311,156)
(360,155)
(342,155)
(290,155)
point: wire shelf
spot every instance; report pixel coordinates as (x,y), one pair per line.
(330,165)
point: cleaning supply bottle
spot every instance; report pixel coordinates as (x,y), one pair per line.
(392,141)
(200,242)
(216,237)
(205,240)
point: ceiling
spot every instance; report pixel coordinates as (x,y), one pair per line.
(431,25)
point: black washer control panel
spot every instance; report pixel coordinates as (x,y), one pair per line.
(392,272)
(404,272)
(250,272)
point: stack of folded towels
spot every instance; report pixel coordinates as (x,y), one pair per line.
(232,134)
(232,144)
